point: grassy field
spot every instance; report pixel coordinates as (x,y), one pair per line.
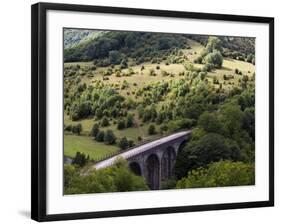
(131,133)
(96,150)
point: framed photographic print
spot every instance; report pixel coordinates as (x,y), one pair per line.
(139,111)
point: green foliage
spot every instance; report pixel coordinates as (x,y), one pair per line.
(152,72)
(209,148)
(214,44)
(231,118)
(111,47)
(129,120)
(210,122)
(178,124)
(149,114)
(215,58)
(212,101)
(80,110)
(95,130)
(80,159)
(151,129)
(117,178)
(220,174)
(245,78)
(109,137)
(104,122)
(123,64)
(76,129)
(208,67)
(121,124)
(197,133)
(123,143)
(250,58)
(248,121)
(115,57)
(100,136)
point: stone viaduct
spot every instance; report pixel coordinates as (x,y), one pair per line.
(154,160)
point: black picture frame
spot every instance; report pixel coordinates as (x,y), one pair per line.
(38,108)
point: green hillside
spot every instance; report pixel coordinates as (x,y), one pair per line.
(122,89)
(74,37)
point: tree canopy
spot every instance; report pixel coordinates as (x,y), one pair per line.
(219,174)
(117,178)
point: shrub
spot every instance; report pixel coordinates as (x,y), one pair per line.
(123,143)
(215,80)
(93,67)
(202,75)
(121,124)
(95,130)
(68,127)
(123,64)
(114,57)
(130,71)
(109,137)
(76,129)
(131,143)
(163,128)
(214,58)
(208,67)
(118,74)
(104,122)
(164,73)
(245,78)
(152,72)
(129,120)
(100,136)
(151,129)
(80,159)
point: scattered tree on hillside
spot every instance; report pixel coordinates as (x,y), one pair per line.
(95,130)
(109,137)
(151,129)
(100,136)
(129,120)
(80,159)
(104,122)
(121,124)
(76,129)
(123,143)
(215,58)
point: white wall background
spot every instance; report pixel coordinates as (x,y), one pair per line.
(15,110)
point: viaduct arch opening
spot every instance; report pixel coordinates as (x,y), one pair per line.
(181,147)
(167,163)
(135,167)
(153,169)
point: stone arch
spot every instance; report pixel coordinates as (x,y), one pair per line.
(135,167)
(181,146)
(153,171)
(167,162)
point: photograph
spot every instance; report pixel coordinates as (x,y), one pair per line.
(149,111)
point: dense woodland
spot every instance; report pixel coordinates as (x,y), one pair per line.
(122,89)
